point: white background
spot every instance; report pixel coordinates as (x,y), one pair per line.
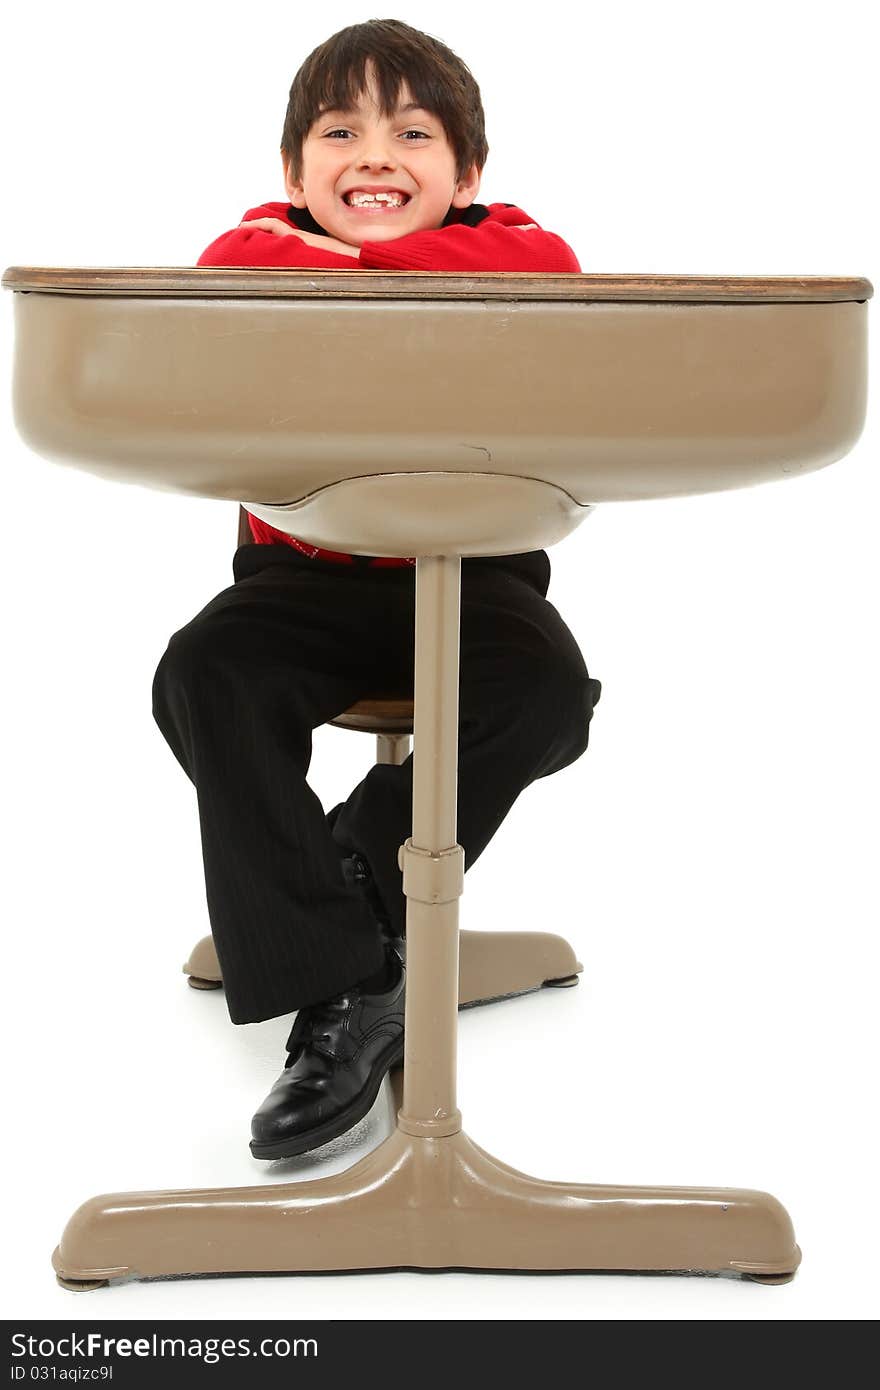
(712,856)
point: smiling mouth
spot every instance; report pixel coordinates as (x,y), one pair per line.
(377,205)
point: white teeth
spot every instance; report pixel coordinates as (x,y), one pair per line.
(365,199)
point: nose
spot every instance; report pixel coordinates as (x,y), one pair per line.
(377,155)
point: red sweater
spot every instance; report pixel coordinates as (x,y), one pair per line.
(470,239)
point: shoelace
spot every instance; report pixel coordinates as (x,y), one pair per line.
(314,1017)
(308,1025)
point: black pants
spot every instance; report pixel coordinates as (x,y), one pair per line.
(294,642)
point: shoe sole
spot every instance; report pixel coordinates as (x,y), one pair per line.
(322,1134)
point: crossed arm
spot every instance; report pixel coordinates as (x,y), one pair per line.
(325,243)
(492,245)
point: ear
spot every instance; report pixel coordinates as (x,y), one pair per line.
(467,188)
(293,187)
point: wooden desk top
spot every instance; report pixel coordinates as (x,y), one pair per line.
(171,281)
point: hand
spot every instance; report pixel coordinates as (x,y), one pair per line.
(271,224)
(277,227)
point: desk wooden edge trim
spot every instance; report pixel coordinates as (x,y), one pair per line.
(183,282)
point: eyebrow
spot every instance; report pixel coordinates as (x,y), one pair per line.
(353,110)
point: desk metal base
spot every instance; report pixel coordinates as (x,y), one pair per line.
(428,1197)
(427,1204)
(492,965)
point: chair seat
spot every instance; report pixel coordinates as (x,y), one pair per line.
(391,714)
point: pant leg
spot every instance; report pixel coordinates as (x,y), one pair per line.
(525,704)
(237,695)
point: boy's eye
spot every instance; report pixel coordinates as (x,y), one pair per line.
(332,133)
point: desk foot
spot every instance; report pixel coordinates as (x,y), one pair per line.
(492,965)
(427,1204)
(81,1285)
(769,1278)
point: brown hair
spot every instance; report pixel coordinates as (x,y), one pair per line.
(334,75)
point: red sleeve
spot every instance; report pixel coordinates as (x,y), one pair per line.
(253,247)
(497,243)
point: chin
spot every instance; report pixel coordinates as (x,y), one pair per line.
(371,234)
(379,234)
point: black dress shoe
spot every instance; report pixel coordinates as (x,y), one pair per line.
(339,1053)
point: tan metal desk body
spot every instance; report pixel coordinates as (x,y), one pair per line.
(438,416)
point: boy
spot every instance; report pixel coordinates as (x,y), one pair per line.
(308,912)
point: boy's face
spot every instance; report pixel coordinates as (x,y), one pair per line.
(361,149)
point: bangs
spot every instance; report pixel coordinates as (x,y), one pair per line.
(339,82)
